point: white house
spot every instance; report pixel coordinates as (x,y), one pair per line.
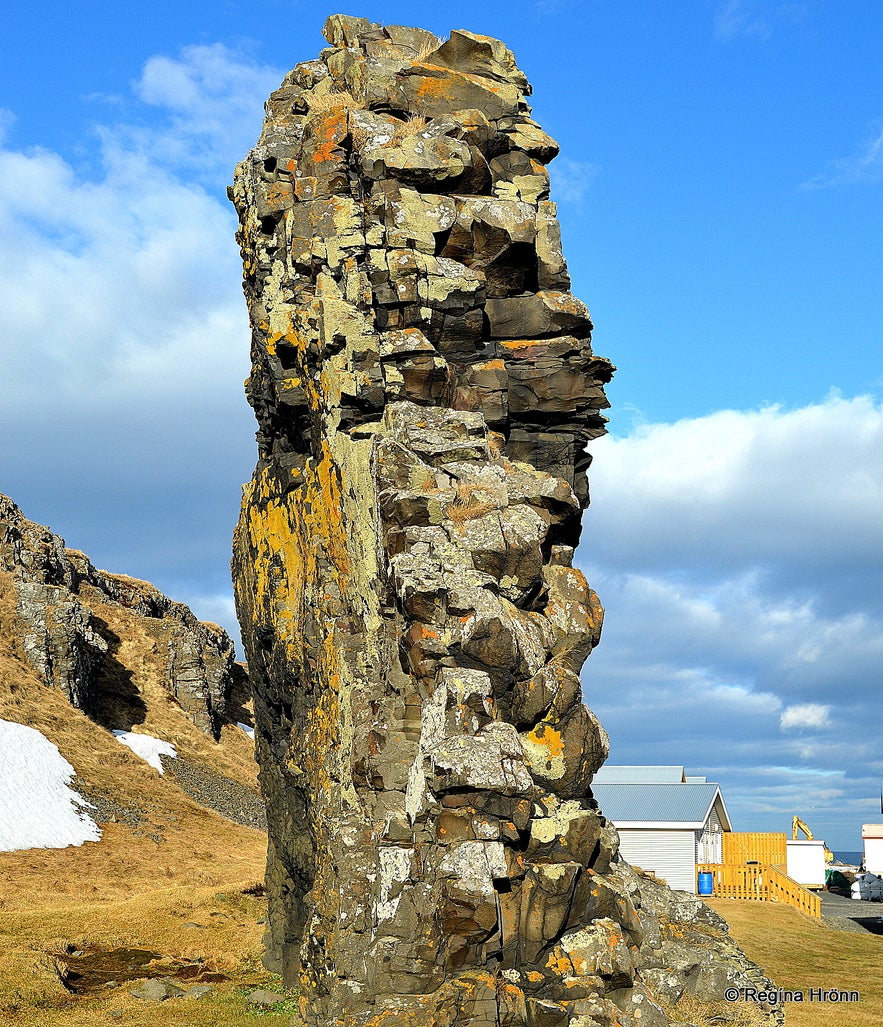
(872,836)
(667,822)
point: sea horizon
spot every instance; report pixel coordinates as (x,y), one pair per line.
(850,856)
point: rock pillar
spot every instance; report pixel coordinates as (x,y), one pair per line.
(424,386)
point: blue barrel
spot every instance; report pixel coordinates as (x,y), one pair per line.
(706,884)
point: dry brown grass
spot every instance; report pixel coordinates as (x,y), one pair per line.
(332,101)
(178,893)
(402,130)
(416,55)
(143,654)
(172,884)
(496,443)
(468,504)
(800,953)
(717,1014)
(399,130)
(430,46)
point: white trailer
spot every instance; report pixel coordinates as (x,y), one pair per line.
(806,862)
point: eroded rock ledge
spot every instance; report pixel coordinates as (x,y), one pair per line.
(425,386)
(60,598)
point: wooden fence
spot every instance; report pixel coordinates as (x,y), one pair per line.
(761,847)
(760,882)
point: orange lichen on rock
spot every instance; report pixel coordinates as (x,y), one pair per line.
(330,127)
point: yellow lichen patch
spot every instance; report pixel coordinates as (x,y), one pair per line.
(331,513)
(285,543)
(487,85)
(550,739)
(559,963)
(544,749)
(432,86)
(572,982)
(581,966)
(290,337)
(614,934)
(524,349)
(276,567)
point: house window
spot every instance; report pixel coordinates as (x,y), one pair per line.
(709,847)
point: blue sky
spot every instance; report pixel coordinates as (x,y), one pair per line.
(720,189)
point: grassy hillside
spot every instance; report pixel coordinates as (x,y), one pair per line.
(168,875)
(800,953)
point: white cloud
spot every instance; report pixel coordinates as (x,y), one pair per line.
(124,329)
(98,278)
(793,495)
(864,166)
(754,18)
(131,276)
(739,559)
(553,6)
(571,179)
(214,97)
(740,18)
(805,715)
(7,120)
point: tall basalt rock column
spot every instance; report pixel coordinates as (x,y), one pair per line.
(425,386)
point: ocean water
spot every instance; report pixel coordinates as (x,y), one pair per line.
(844,856)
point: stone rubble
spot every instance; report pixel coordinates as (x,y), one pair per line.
(222,794)
(425,387)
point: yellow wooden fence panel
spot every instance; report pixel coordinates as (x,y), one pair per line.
(757,846)
(762,883)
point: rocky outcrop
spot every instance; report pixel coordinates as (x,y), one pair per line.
(57,594)
(60,641)
(425,386)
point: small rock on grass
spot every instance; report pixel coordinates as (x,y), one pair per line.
(198,991)
(260,997)
(157,991)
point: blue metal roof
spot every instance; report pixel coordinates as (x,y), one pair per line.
(639,775)
(673,804)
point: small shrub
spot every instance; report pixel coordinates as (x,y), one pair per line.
(413,126)
(335,100)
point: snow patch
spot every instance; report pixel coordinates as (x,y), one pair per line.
(147,747)
(38,809)
(246,728)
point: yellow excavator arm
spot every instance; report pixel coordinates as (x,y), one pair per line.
(799,825)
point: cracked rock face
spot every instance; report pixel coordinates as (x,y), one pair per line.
(425,386)
(72,649)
